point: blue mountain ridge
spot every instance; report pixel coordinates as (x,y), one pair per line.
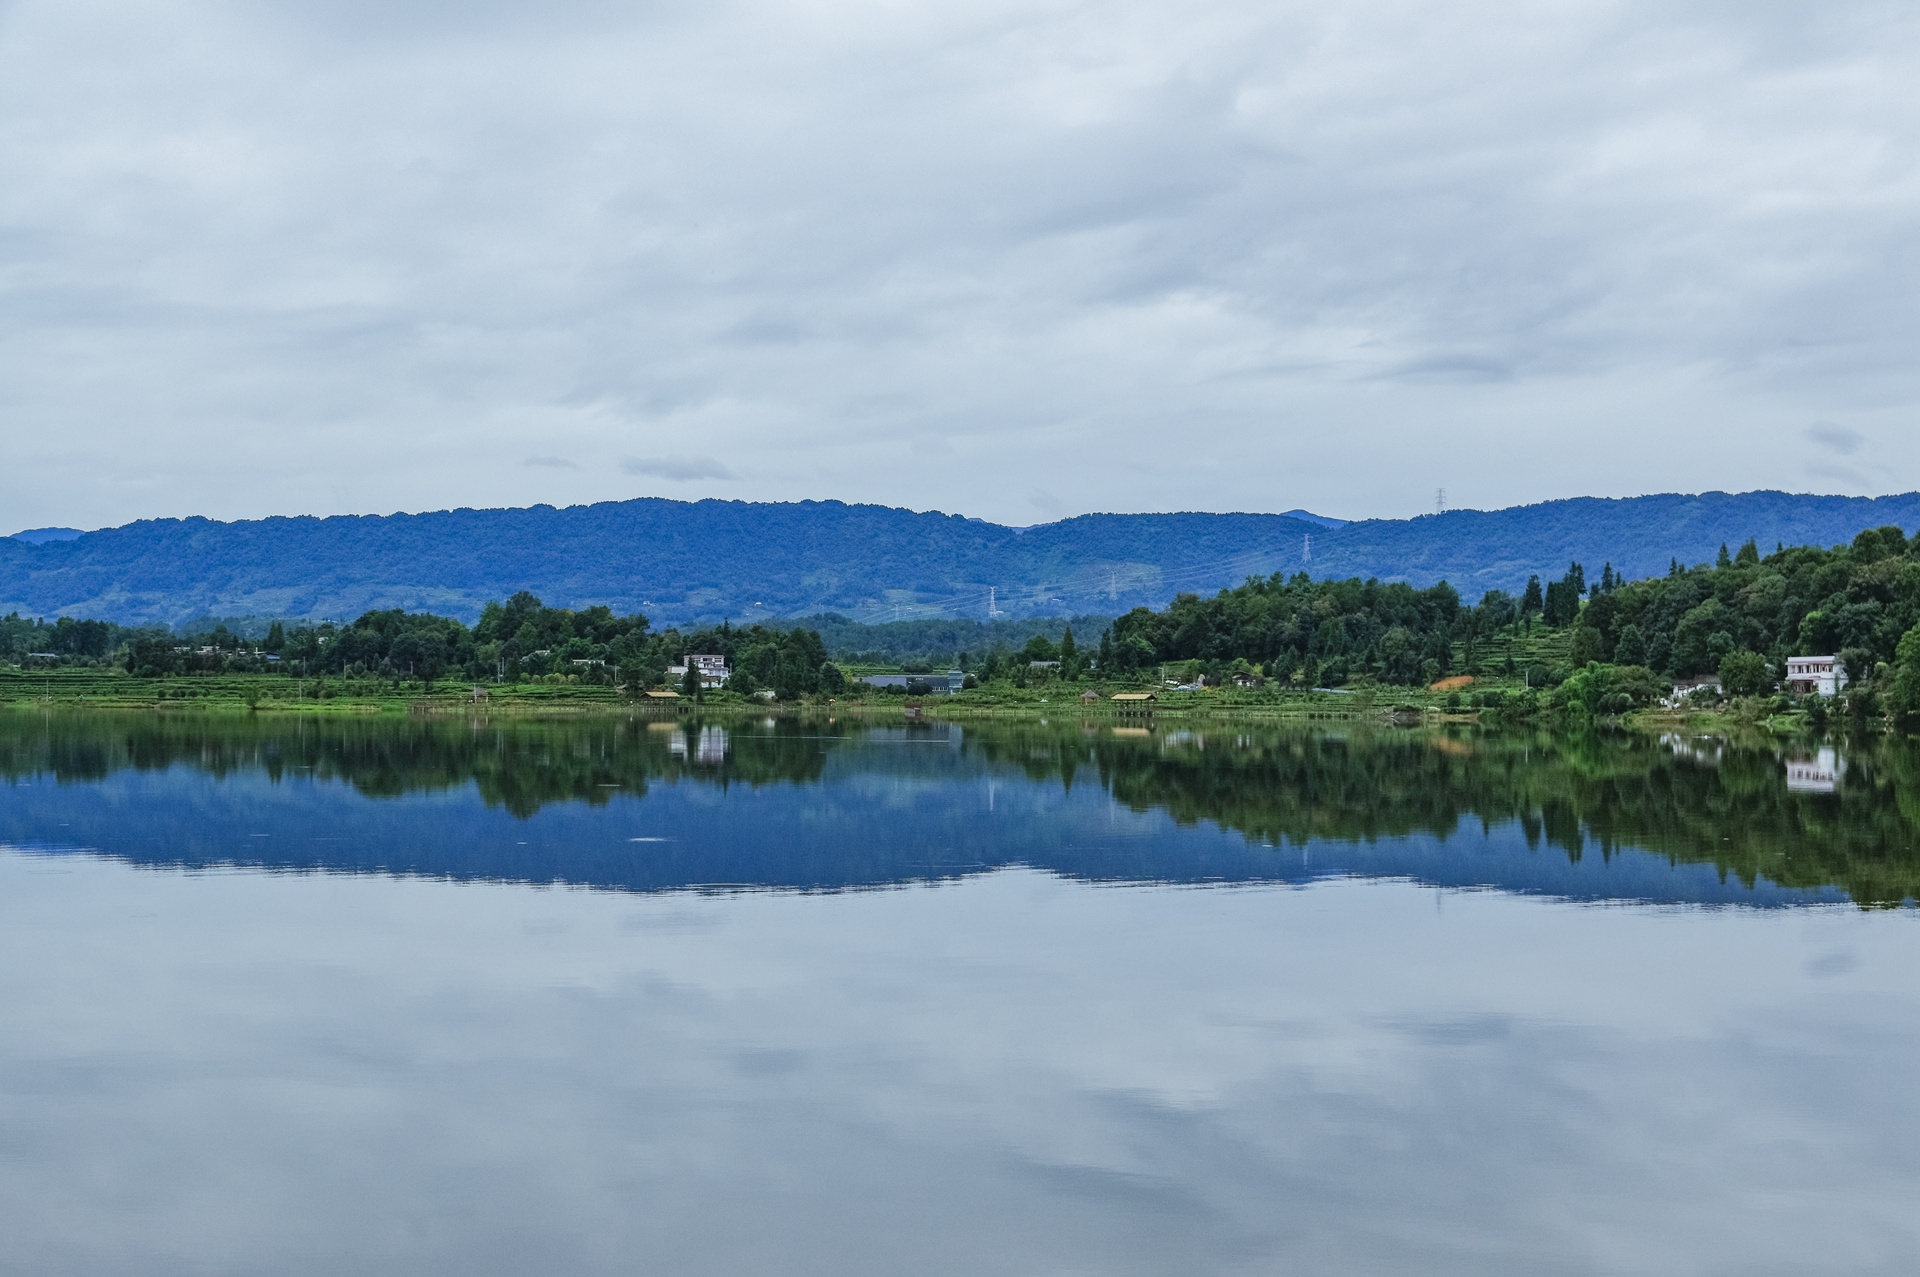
(681,562)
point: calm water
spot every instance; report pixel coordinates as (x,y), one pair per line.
(800,997)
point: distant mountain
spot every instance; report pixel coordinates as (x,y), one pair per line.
(40,536)
(1307,516)
(684,561)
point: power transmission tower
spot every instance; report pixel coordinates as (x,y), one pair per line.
(1439,500)
(1306,548)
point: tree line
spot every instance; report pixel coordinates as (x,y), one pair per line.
(1740,618)
(519,639)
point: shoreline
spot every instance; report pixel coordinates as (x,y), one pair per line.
(268,695)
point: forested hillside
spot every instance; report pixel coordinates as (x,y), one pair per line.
(685,563)
(1739,617)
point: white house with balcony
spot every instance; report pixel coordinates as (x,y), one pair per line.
(713,670)
(1822,674)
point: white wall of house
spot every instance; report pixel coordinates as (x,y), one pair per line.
(1822,674)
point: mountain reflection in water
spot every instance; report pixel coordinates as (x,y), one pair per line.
(814,803)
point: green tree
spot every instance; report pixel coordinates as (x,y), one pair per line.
(152,656)
(1903,697)
(1744,673)
(1039,648)
(1725,560)
(1630,648)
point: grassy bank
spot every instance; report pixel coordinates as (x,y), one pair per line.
(269,694)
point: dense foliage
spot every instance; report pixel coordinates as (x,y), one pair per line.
(65,639)
(940,644)
(1300,629)
(521,638)
(1797,601)
(1739,618)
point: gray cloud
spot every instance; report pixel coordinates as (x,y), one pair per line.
(1835,438)
(551,463)
(1228,256)
(677,468)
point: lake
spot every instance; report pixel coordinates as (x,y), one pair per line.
(795,996)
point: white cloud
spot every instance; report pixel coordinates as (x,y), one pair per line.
(1219,255)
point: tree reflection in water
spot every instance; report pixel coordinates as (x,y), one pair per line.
(1801,817)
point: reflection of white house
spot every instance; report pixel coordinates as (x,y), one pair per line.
(1822,674)
(709,747)
(1816,775)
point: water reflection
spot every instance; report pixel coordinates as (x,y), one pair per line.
(373,1071)
(789,802)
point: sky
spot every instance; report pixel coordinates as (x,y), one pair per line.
(1014,259)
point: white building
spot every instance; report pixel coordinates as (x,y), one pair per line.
(713,670)
(1822,674)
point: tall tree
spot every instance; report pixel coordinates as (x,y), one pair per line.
(1630,648)
(1531,601)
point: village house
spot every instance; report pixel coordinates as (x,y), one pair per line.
(1822,674)
(1684,687)
(713,670)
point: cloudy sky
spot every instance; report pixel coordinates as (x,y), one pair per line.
(1012,258)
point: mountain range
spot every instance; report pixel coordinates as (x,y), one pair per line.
(681,562)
